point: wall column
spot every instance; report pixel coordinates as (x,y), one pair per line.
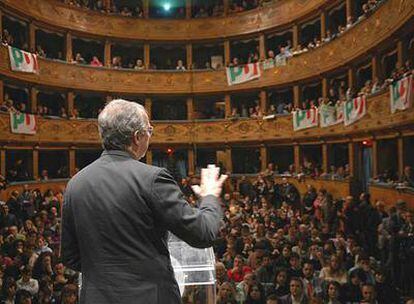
(148,157)
(323,25)
(72,161)
(226,7)
(148,106)
(1,21)
(400,53)
(351,158)
(71,102)
(374,157)
(349,9)
(296,156)
(145,8)
(263,157)
(188,10)
(376,67)
(227,105)
(147,55)
(296,96)
(190,108)
(263,101)
(227,53)
(3,161)
(68,44)
(35,163)
(229,162)
(191,165)
(400,147)
(33,100)
(351,78)
(32,37)
(107,5)
(295,36)
(325,87)
(262,46)
(1,89)
(189,49)
(107,54)
(325,158)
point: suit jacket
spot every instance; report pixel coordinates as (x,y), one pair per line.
(287,299)
(116,216)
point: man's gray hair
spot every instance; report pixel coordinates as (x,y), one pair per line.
(118,122)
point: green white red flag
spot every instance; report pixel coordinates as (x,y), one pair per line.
(22,61)
(22,123)
(304,119)
(401,94)
(242,73)
(354,110)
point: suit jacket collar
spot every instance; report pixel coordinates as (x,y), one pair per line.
(117,153)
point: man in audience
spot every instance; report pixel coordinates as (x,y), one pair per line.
(296,294)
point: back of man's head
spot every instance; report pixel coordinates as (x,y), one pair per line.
(119,121)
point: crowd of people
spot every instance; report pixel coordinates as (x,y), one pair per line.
(275,246)
(278,247)
(30,269)
(199,9)
(282,52)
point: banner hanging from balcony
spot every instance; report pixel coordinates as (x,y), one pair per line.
(242,73)
(401,94)
(354,110)
(331,115)
(22,123)
(22,61)
(304,119)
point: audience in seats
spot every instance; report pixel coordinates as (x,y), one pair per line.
(275,246)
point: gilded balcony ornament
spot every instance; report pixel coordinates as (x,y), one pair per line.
(170,130)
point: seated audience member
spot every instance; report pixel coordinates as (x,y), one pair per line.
(369,295)
(243,287)
(281,287)
(334,271)
(116,62)
(296,294)
(226,294)
(272,299)
(95,62)
(255,294)
(26,282)
(332,293)
(180,66)
(139,65)
(78,59)
(69,294)
(407,179)
(239,270)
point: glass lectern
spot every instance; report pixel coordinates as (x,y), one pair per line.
(194,271)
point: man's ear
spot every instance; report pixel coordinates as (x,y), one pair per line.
(136,138)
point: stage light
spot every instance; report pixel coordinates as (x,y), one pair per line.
(170,151)
(166,6)
(367,143)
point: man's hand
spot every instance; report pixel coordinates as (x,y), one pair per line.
(211,183)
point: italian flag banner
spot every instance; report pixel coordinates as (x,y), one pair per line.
(22,123)
(339,112)
(354,110)
(328,116)
(401,93)
(22,61)
(304,119)
(243,73)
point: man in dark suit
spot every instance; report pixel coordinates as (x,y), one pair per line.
(117,213)
(297,294)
